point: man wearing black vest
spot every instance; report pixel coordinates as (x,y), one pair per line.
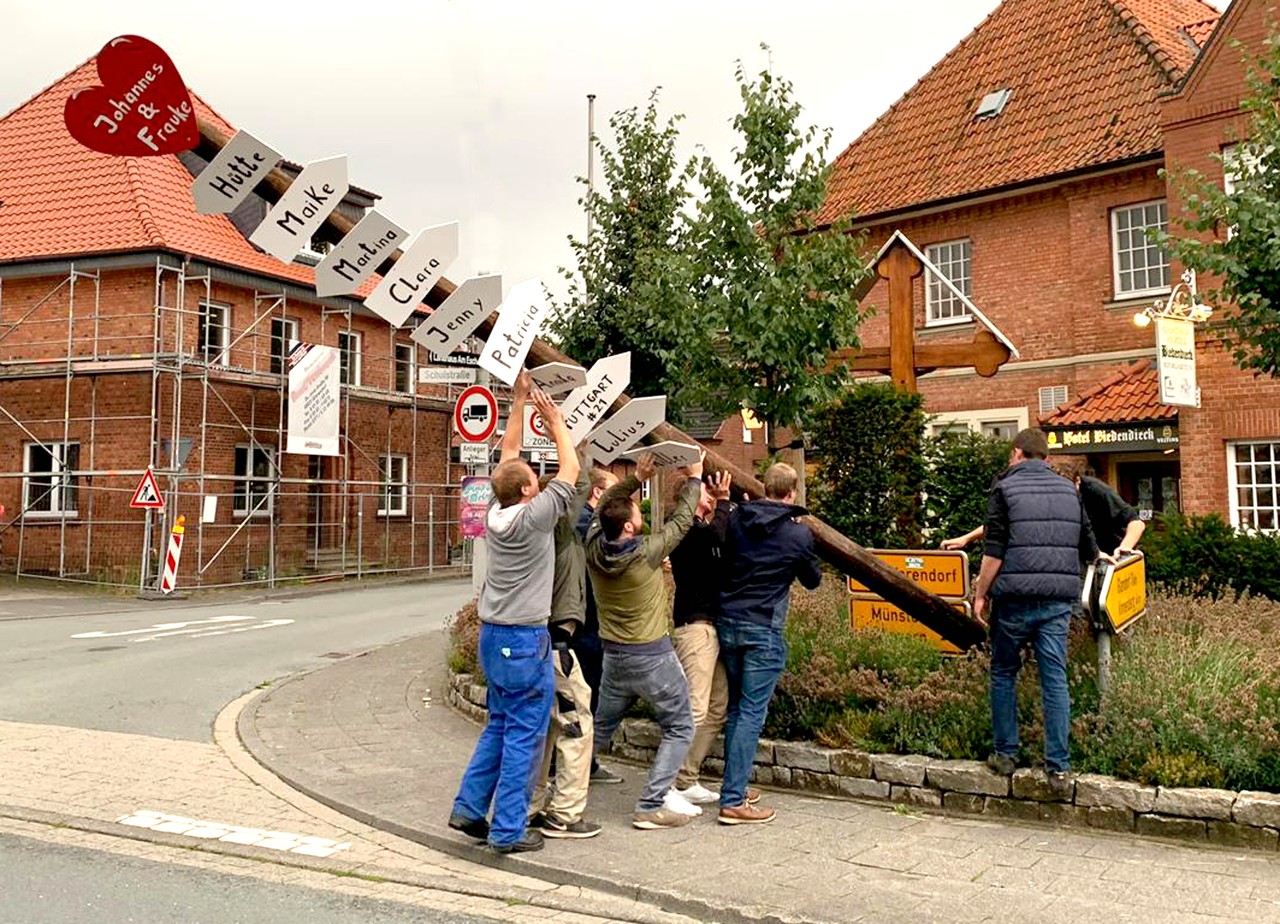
(1037,541)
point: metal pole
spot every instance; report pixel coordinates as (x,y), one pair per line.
(479,547)
(591,159)
(359,534)
(431,533)
(1104,661)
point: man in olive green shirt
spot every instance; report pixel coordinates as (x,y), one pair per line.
(639,660)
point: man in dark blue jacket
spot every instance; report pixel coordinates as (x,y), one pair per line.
(765,550)
(1037,540)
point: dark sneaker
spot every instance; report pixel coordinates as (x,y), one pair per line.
(1061,783)
(550,826)
(531,841)
(1001,764)
(602,775)
(662,818)
(471,827)
(745,814)
(753,796)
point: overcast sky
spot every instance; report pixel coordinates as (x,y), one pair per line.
(475,110)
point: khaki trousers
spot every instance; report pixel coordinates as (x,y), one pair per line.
(698,649)
(570,738)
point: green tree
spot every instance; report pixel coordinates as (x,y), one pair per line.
(961,469)
(634,285)
(779,290)
(1236,234)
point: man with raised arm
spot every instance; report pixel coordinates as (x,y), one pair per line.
(639,660)
(515,648)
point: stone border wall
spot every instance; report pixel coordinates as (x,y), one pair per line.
(1236,819)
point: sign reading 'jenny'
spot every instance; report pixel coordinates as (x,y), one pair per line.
(627,427)
(353,260)
(293,220)
(459,314)
(523,311)
(418,269)
(231,176)
(586,405)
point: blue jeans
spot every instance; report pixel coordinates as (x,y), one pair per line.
(1043,624)
(754,657)
(659,679)
(517,665)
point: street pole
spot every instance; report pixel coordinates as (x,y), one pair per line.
(479,545)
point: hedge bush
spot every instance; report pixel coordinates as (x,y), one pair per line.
(1205,556)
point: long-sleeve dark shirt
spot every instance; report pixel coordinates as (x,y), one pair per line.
(697,566)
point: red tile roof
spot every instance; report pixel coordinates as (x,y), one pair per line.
(62,200)
(1130,395)
(1084,76)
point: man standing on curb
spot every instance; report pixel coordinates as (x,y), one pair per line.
(766,550)
(558,804)
(1037,540)
(639,660)
(697,566)
(515,649)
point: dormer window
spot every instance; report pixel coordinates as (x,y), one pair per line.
(993,104)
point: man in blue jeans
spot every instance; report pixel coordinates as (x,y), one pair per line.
(1037,539)
(515,649)
(765,550)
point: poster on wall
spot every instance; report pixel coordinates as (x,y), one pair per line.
(314,391)
(473,505)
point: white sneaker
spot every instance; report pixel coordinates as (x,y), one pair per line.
(699,794)
(679,804)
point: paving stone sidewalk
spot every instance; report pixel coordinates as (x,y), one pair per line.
(373,736)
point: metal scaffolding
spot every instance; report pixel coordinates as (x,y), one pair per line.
(322,524)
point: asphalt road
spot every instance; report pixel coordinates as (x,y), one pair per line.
(166,670)
(52,884)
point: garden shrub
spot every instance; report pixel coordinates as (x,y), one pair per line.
(1205,556)
(464,640)
(961,469)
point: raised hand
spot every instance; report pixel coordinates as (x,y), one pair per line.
(719,484)
(646,466)
(547,408)
(523,385)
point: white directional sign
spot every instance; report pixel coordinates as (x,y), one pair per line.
(558,378)
(627,427)
(293,220)
(667,454)
(418,269)
(446,375)
(523,311)
(459,315)
(537,438)
(473,453)
(353,260)
(587,404)
(232,175)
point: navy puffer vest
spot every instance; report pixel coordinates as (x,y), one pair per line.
(1042,558)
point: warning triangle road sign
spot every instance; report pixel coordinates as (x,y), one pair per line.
(148,493)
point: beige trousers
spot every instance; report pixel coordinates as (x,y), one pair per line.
(565,797)
(698,649)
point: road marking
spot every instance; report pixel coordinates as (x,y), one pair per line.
(197,628)
(305,844)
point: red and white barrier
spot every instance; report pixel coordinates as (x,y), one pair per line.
(174,554)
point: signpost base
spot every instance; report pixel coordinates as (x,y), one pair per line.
(1104,661)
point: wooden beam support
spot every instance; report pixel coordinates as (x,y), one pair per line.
(985,354)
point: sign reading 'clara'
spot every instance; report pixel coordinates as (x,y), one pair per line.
(418,269)
(141,108)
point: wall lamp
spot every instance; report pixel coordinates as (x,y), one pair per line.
(1181,303)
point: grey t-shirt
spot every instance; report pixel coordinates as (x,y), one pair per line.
(517,586)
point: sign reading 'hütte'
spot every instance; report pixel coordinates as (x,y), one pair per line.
(229,178)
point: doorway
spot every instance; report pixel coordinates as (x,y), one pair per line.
(1154,488)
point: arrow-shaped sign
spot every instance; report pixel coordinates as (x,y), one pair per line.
(358,254)
(627,427)
(232,175)
(290,224)
(558,378)
(523,311)
(459,314)
(587,404)
(418,269)
(667,454)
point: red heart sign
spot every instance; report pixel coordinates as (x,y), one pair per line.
(142,108)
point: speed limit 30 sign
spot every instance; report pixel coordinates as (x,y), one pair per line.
(476,414)
(537,436)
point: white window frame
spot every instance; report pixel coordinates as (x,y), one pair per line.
(1114,218)
(1233,484)
(61,485)
(396,347)
(291,331)
(944,297)
(974,419)
(350,346)
(223,355)
(243,504)
(393,498)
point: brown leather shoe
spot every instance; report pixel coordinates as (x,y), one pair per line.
(753,796)
(745,814)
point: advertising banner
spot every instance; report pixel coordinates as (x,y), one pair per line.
(473,505)
(314,391)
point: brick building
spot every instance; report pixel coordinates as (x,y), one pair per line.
(136,333)
(1027,164)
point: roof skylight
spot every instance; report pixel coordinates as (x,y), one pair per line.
(993,103)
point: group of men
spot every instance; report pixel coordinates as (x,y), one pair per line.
(574,586)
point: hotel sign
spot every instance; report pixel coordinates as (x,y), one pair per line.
(1176,361)
(1142,437)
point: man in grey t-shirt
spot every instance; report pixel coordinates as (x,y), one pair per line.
(515,649)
